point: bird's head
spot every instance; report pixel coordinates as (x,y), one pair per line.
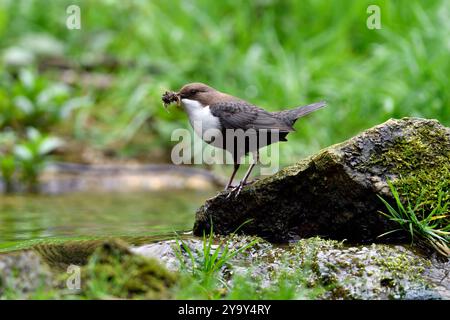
(192,92)
(198,92)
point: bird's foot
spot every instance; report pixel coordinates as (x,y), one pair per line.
(245,184)
(236,190)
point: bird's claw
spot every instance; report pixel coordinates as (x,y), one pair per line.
(246,183)
(236,190)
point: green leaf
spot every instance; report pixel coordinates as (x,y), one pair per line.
(49,144)
(23,153)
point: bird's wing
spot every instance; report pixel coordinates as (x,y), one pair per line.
(236,115)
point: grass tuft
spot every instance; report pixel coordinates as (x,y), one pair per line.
(424,225)
(212,258)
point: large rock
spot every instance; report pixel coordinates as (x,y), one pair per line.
(334,193)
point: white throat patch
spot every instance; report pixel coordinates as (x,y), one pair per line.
(200,117)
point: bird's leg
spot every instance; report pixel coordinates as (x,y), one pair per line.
(236,167)
(243,182)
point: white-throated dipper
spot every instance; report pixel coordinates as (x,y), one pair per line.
(227,116)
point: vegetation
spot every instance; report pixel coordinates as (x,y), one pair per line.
(275,54)
(65,94)
(211,274)
(25,158)
(114,272)
(205,269)
(431,227)
(30,106)
(32,100)
(213,257)
(310,269)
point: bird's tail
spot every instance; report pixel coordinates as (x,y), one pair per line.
(290,116)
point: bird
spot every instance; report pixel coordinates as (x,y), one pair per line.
(227,115)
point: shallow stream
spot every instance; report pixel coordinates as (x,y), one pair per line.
(25,220)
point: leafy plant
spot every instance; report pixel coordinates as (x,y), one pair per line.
(32,156)
(7,160)
(7,170)
(31,100)
(424,226)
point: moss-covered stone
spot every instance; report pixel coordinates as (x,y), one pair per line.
(334,193)
(108,269)
(316,268)
(374,272)
(419,160)
(311,268)
(113,271)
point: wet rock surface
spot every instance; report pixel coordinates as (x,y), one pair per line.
(316,268)
(166,251)
(334,193)
(439,275)
(376,271)
(21,273)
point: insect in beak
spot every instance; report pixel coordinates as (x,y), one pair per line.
(169,97)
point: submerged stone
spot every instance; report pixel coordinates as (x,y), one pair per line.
(334,193)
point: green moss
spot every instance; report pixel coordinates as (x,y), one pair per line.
(426,185)
(306,252)
(326,157)
(426,148)
(421,162)
(402,265)
(113,271)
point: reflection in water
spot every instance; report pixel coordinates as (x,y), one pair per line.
(81,215)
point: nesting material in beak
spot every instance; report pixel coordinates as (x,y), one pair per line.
(169,96)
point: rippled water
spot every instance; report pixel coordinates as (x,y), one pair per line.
(27,219)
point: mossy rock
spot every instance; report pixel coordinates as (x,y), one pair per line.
(113,271)
(109,269)
(22,274)
(334,193)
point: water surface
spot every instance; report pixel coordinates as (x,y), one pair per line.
(29,219)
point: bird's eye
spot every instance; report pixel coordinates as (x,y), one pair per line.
(193,92)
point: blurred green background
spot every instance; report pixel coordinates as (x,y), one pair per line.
(98,89)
